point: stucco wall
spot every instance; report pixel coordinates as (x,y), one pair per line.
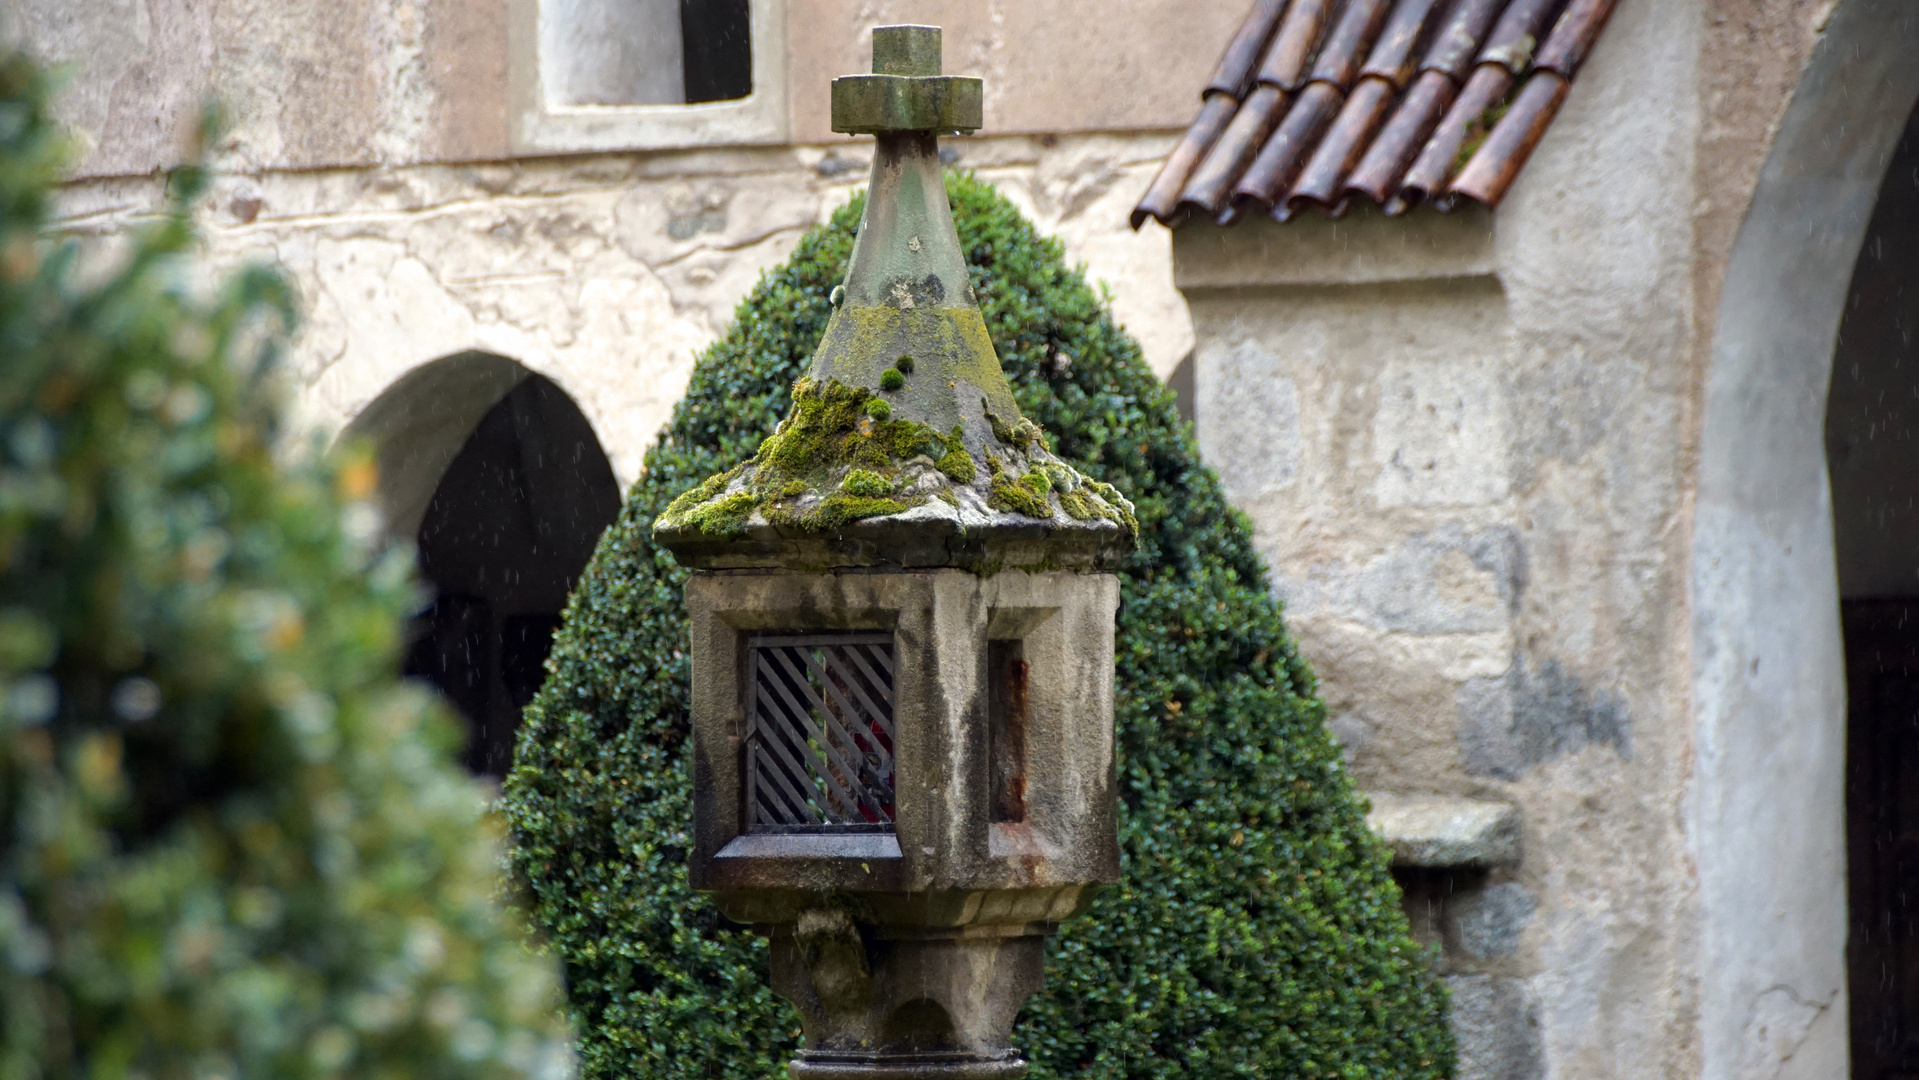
(1546,496)
(1461,441)
(1765,802)
(367,153)
(605,273)
(403,82)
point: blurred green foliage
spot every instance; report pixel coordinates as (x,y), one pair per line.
(1257,931)
(232,842)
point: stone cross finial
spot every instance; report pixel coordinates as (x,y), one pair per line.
(862,740)
(906,91)
(906,50)
(908,385)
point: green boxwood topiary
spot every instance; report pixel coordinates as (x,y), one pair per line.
(232,842)
(1257,931)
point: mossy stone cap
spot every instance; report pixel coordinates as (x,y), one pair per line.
(905,389)
(906,292)
(906,91)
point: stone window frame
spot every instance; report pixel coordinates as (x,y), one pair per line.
(1057,616)
(538,126)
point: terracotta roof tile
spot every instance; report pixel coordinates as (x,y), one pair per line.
(1318,102)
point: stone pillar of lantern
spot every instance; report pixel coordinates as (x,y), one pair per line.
(902,646)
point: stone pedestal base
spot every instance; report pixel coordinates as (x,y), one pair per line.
(933,1005)
(903,1067)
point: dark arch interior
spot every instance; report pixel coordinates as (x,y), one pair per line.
(509,528)
(717,43)
(1872,451)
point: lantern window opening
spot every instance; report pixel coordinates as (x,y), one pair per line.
(1007,707)
(819,738)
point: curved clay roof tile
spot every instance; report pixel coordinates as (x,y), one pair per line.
(1292,120)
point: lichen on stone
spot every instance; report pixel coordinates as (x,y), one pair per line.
(839,456)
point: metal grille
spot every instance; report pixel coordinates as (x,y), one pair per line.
(819,733)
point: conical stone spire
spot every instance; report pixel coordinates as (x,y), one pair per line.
(904,445)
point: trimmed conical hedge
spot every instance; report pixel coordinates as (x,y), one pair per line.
(1257,931)
(232,842)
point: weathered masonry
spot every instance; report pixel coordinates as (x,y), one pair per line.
(902,647)
(1581,365)
(513,223)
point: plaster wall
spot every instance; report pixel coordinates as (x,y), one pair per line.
(605,273)
(1547,497)
(367,154)
(1461,440)
(407,82)
(1765,807)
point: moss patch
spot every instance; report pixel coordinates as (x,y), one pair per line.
(1079,507)
(836,510)
(1478,128)
(957,463)
(1120,510)
(838,457)
(723,517)
(707,489)
(866,482)
(1018,494)
(835,458)
(949,346)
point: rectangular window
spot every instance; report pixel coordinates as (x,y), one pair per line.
(819,733)
(591,75)
(646,52)
(717,44)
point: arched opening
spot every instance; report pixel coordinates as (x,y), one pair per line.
(497,477)
(1872,448)
(1767,796)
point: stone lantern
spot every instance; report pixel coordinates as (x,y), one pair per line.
(902,646)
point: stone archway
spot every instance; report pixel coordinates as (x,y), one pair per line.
(1872,447)
(497,477)
(1765,807)
(417,425)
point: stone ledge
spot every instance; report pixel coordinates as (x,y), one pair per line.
(1441,832)
(1364,247)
